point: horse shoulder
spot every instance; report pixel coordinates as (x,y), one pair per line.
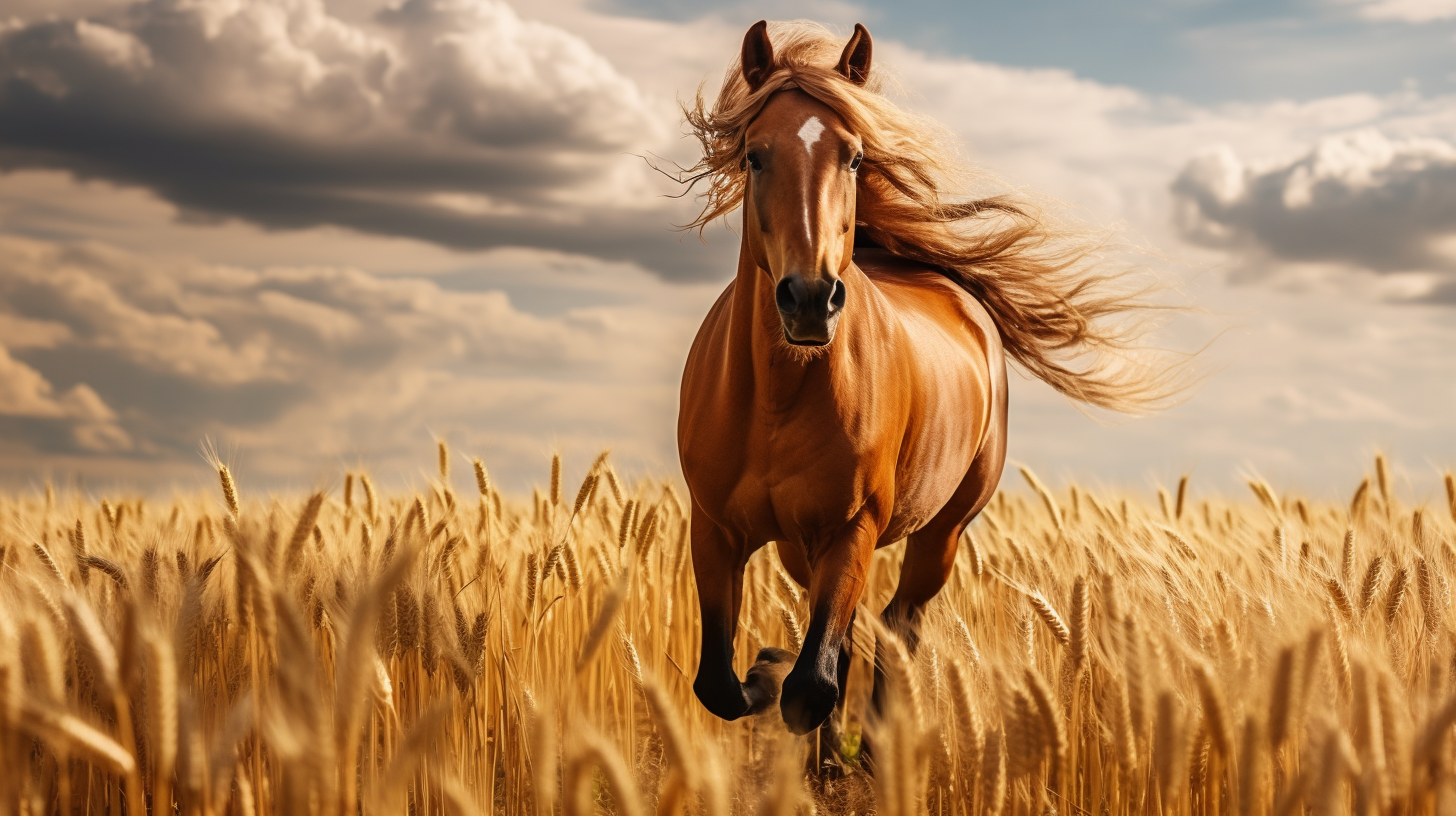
(933,300)
(963,309)
(703,389)
(711,337)
(924,300)
(961,397)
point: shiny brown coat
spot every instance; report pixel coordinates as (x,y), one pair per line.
(829,432)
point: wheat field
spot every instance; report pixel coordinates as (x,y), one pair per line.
(444,652)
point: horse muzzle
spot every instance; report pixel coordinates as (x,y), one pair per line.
(809,308)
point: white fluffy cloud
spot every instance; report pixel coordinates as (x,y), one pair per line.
(1360,199)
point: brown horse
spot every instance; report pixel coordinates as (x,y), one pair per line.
(845,394)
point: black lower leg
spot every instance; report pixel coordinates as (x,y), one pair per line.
(717,685)
(811,689)
(904,621)
(718,561)
(829,758)
(831,753)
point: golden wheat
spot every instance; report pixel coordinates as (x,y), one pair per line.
(495,657)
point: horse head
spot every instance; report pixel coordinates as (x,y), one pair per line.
(799,206)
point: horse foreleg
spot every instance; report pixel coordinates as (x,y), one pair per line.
(831,759)
(718,562)
(831,735)
(838,578)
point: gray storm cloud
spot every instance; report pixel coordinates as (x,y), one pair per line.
(78,418)
(1359,199)
(452,121)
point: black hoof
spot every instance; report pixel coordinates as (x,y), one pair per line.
(808,700)
(724,697)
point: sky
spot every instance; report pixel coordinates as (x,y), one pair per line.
(322,234)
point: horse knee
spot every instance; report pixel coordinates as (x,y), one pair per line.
(809,696)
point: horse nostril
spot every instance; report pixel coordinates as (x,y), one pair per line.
(836,300)
(789,294)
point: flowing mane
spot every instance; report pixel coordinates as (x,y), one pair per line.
(1048,287)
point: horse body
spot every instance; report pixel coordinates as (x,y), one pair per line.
(895,429)
(783,448)
(838,399)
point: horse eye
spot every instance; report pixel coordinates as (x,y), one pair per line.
(752,159)
(854,162)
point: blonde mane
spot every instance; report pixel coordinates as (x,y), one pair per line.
(1048,287)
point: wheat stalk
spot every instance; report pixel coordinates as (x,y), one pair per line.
(229,489)
(1371,585)
(1050,617)
(1046,498)
(423,674)
(1395,595)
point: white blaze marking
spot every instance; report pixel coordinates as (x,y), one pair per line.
(810,133)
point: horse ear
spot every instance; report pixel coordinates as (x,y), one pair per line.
(854,63)
(757,55)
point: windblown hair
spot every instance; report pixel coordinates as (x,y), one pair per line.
(1049,288)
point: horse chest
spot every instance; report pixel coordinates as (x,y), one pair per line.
(783,450)
(790,470)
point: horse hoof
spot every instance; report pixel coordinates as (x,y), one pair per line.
(722,695)
(766,678)
(807,700)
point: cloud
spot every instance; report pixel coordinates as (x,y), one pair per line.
(453,121)
(305,353)
(459,123)
(25,393)
(1359,199)
(1409,11)
(29,404)
(226,327)
(1111,151)
(127,355)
